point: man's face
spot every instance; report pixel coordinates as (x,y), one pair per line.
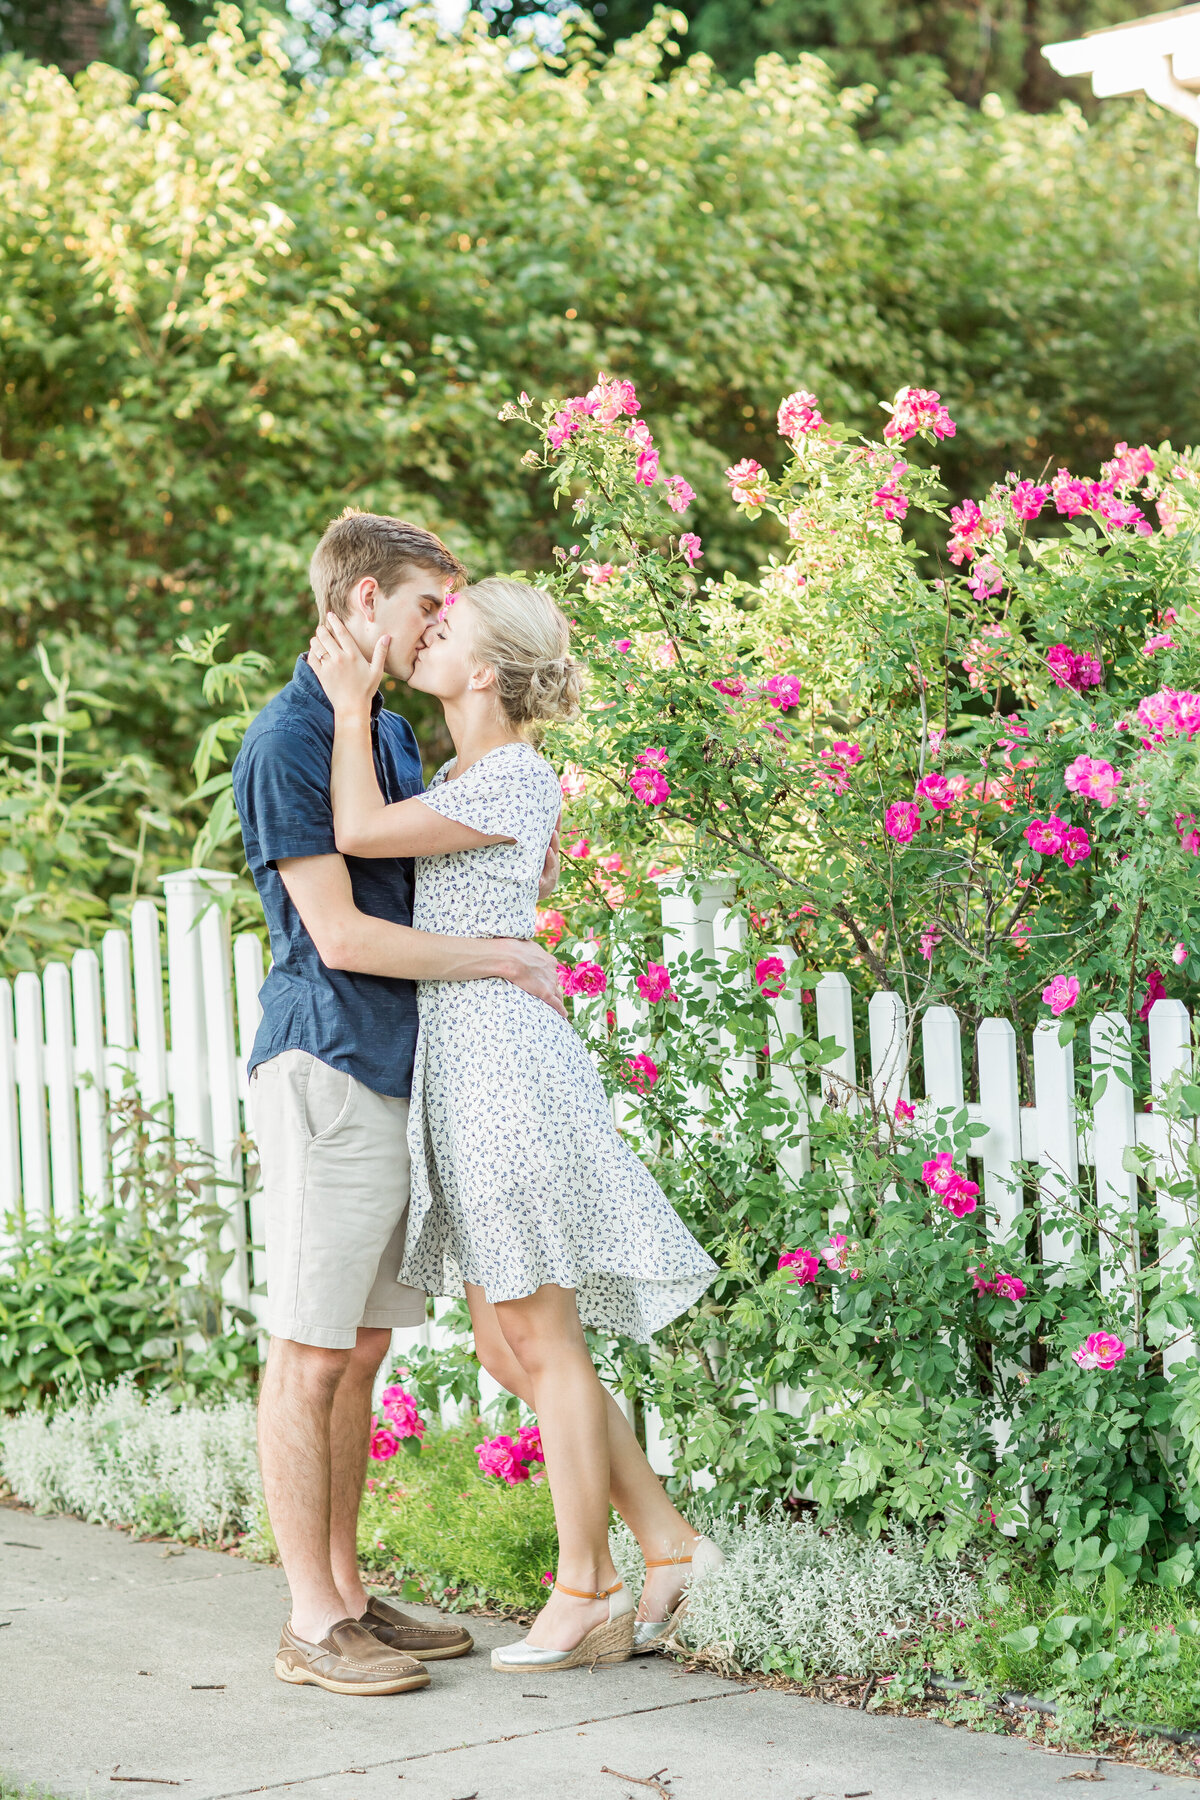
(405,614)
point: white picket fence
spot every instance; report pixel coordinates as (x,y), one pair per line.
(76,1033)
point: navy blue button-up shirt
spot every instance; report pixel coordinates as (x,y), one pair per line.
(364,1025)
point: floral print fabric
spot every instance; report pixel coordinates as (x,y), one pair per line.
(519,1175)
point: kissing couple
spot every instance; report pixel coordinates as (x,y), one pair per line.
(428,1122)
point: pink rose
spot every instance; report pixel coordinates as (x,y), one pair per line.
(1077,847)
(599,574)
(985,579)
(782,691)
(642,1072)
(1156,989)
(905,1113)
(551,925)
(937,790)
(732,685)
(500,1457)
(1061,994)
(902,820)
(802,1263)
(1070,494)
(655,984)
(917,409)
(1028,500)
(931,937)
(689,549)
(770,976)
(1189,836)
(1046,836)
(798,414)
(890,498)
(1179,955)
(1093,779)
(401,1411)
(647,467)
(1162,642)
(651,788)
(1009,1287)
(586,978)
(1128,466)
(384,1443)
(1100,1350)
(679,494)
(747,482)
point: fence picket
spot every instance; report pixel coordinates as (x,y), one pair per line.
(10,1141)
(887,1023)
(224,1097)
(787,1020)
(835,1019)
(1058,1139)
(31,1099)
(151,1062)
(1170,1056)
(90,1076)
(941,1055)
(1000,1111)
(247,980)
(60,1089)
(729,943)
(1112,1134)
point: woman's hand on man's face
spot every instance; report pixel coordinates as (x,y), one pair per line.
(341,668)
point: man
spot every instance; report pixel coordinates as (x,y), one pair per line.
(331,1072)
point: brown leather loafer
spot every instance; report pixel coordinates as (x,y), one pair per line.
(349,1660)
(432,1643)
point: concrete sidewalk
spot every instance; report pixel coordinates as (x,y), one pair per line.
(122,1659)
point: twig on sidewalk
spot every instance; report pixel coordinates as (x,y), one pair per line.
(158,1780)
(647,1781)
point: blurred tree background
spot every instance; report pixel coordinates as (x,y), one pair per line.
(238,296)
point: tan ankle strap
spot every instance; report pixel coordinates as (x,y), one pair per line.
(668,1562)
(599,1594)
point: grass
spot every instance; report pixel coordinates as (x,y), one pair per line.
(1141,1668)
(445,1532)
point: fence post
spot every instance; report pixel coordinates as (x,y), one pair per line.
(223,1085)
(1171,1055)
(729,943)
(1113,1132)
(60,1089)
(189,892)
(1000,1111)
(148,995)
(10,1142)
(941,1055)
(31,1099)
(1058,1139)
(887,1024)
(687,930)
(787,1020)
(90,1076)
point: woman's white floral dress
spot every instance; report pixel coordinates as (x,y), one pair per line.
(519,1176)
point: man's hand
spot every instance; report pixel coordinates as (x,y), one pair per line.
(535,970)
(549,881)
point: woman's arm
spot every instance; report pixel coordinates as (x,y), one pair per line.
(363,823)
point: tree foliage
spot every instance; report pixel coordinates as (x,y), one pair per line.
(234,304)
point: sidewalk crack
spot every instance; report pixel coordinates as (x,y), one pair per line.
(507,1737)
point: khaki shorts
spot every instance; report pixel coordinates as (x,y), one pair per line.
(335,1180)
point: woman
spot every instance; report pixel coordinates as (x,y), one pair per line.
(524,1195)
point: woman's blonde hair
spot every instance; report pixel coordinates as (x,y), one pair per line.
(520,634)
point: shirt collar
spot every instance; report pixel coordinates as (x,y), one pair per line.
(311,688)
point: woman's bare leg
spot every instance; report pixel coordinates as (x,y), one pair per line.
(635,1490)
(544,1333)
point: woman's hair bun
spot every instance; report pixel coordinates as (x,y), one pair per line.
(523,636)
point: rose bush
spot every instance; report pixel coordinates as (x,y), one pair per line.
(969,778)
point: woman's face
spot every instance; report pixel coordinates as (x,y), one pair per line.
(445,663)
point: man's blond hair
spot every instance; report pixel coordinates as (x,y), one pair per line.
(361,544)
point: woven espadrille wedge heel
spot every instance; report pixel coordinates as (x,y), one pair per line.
(704,1557)
(611,1642)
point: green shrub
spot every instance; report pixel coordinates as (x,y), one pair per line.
(132,1288)
(121,1457)
(233,303)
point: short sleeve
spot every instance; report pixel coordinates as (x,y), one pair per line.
(283,796)
(511,794)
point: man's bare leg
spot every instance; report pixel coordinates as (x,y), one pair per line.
(349,1442)
(295,1409)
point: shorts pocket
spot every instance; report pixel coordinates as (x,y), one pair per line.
(328,1096)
